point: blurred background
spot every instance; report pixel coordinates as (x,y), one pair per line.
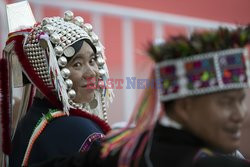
(126,27)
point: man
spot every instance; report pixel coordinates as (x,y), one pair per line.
(202,90)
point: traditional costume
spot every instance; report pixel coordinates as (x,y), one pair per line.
(35,58)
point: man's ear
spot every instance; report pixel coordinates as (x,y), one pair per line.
(182,109)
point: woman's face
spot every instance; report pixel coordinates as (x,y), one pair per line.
(82,68)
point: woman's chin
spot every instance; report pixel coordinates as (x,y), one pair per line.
(88,97)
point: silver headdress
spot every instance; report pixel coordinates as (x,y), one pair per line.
(55,36)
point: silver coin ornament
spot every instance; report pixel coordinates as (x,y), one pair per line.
(93,104)
(69,51)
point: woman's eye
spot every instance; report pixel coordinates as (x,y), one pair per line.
(92,61)
(77,64)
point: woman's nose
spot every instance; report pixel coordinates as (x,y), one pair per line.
(89,72)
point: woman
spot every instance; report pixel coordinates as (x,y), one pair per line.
(64,60)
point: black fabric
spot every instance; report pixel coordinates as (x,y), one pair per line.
(170,148)
(77,46)
(91,45)
(63,136)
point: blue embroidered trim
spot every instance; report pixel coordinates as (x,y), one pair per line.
(89,140)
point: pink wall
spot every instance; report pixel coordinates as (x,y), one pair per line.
(236,11)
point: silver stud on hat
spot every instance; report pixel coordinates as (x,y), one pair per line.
(88,27)
(46,21)
(62,61)
(71,94)
(68,15)
(78,20)
(94,37)
(55,38)
(69,83)
(98,50)
(102,72)
(48,29)
(100,61)
(65,73)
(58,50)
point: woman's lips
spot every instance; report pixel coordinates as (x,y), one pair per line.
(90,86)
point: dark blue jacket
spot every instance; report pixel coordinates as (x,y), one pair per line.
(62,136)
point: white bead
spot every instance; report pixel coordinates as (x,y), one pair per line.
(94,37)
(68,15)
(55,38)
(62,61)
(69,83)
(68,42)
(65,73)
(63,32)
(102,72)
(98,50)
(63,45)
(88,27)
(46,21)
(78,20)
(71,94)
(68,35)
(58,50)
(48,29)
(63,38)
(78,36)
(100,61)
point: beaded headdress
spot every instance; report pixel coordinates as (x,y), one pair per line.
(56,35)
(207,62)
(204,73)
(36,55)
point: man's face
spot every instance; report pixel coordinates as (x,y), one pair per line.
(217,118)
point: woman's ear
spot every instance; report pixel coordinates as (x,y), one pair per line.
(182,109)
